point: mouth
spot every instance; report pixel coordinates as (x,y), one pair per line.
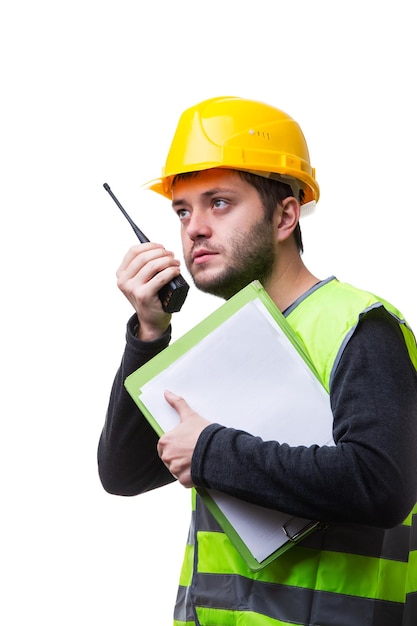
(202,255)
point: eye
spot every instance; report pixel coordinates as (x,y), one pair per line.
(220,203)
(183,214)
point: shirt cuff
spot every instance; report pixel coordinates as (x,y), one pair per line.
(200,453)
(154,346)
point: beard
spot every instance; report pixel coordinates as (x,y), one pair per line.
(251,257)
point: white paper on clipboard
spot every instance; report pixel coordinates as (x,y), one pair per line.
(247,374)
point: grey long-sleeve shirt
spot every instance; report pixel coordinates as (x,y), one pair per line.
(369,477)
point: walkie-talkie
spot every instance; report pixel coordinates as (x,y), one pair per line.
(173,294)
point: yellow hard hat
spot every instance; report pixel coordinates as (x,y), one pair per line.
(239,134)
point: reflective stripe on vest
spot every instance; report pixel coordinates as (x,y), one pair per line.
(344,576)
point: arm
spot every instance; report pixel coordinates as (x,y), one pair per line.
(127,454)
(369,477)
(128,462)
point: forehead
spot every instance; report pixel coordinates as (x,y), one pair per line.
(198,182)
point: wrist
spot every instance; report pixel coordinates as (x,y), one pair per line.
(147,333)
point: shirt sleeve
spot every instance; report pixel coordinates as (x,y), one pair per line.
(368,477)
(128,461)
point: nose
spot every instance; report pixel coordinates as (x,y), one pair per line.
(198,226)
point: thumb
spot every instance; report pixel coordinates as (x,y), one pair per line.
(178,403)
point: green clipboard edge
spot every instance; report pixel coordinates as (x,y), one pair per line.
(240,545)
(169,355)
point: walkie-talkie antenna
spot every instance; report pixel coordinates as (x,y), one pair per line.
(139,234)
(173,294)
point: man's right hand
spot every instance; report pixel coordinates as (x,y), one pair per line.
(145,269)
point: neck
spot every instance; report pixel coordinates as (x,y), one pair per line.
(289,280)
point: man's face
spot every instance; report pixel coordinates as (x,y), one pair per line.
(227,241)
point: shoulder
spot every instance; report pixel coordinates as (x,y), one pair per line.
(379,332)
(377,350)
(327,317)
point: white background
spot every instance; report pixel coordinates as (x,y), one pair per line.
(91,93)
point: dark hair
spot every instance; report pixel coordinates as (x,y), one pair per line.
(271,192)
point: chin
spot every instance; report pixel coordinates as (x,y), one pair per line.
(220,288)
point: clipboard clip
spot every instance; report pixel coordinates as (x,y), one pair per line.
(297,528)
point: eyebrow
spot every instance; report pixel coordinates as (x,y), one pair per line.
(206,194)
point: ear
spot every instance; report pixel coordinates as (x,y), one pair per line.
(288,217)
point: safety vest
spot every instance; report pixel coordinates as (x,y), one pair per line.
(346,575)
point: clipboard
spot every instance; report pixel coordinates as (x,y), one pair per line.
(243,367)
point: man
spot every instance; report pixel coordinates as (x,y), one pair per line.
(238,174)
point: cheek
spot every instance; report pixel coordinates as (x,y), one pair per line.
(186,241)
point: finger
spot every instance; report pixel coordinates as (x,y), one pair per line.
(159,271)
(167,461)
(178,403)
(147,273)
(143,256)
(135,251)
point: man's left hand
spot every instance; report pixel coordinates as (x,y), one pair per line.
(176,447)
